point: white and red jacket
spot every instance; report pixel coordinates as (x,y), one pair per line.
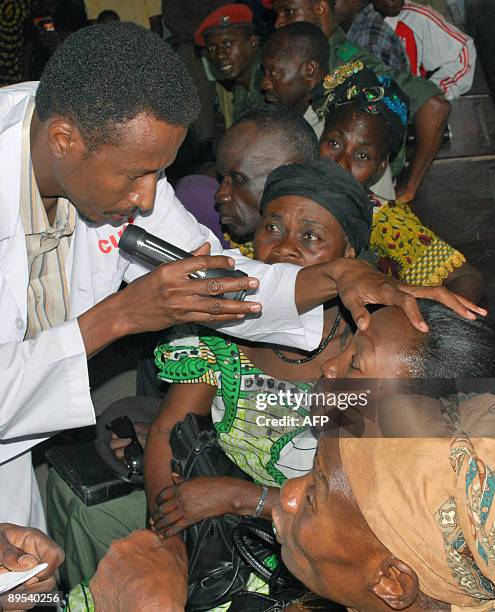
(434,45)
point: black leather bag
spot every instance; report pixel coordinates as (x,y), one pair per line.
(216,569)
(284,588)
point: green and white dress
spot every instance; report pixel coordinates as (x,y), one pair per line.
(249,406)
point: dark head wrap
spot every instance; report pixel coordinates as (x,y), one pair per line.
(326,183)
(368,93)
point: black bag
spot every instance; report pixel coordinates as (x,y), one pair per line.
(284,588)
(216,569)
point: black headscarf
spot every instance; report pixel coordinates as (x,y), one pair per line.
(326,183)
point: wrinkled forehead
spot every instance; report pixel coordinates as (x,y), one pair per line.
(350,118)
(247,145)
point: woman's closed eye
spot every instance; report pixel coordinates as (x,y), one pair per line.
(239,179)
(311,494)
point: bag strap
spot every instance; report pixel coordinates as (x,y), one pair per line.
(241,538)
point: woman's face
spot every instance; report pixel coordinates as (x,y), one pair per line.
(297,230)
(354,141)
(325,540)
(382,351)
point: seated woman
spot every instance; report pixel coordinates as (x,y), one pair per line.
(312,213)
(366,120)
(403,523)
(391,348)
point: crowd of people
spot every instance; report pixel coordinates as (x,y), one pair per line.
(291,168)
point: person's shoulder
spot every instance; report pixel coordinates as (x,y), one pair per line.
(421,14)
(349,51)
(422,9)
(13,102)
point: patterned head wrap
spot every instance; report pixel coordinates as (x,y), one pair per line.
(329,185)
(377,95)
(431,502)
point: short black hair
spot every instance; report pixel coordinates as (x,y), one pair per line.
(293,133)
(106,74)
(302,39)
(107,15)
(455,347)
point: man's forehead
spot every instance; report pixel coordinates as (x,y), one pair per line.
(225,33)
(279,49)
(252,144)
(276,56)
(279,5)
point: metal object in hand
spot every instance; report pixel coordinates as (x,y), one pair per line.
(137,242)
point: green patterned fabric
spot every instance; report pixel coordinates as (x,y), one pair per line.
(269,453)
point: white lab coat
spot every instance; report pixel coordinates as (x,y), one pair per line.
(44,383)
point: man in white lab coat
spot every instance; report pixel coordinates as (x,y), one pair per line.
(79,157)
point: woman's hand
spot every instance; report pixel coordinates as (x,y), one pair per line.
(187,502)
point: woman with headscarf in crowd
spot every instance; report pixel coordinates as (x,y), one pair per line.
(366,123)
(404,522)
(312,214)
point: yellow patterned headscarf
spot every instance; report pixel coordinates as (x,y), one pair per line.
(430,501)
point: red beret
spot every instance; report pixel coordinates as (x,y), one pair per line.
(228,15)
(268,4)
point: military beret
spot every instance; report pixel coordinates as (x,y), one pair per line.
(268,4)
(223,17)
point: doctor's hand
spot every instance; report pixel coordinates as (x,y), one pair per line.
(357,284)
(21,549)
(166,297)
(360,284)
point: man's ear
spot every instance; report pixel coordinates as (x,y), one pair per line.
(63,138)
(321,8)
(311,69)
(253,41)
(395,583)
